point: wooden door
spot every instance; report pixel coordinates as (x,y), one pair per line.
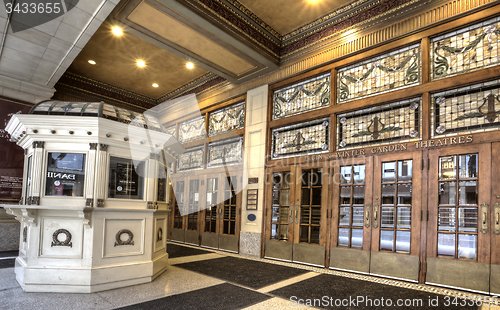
(459,231)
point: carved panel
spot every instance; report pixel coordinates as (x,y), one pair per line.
(467,49)
(305,138)
(302,97)
(398,121)
(388,72)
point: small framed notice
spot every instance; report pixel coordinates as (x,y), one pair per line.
(252,195)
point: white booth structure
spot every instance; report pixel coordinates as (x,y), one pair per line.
(95,202)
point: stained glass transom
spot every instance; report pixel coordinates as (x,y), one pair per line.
(170,130)
(302,97)
(465,50)
(398,121)
(225,153)
(191,159)
(192,130)
(305,138)
(398,69)
(227,119)
(466,110)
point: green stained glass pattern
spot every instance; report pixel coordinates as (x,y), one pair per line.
(191,159)
(227,119)
(465,110)
(227,152)
(388,72)
(465,50)
(398,121)
(192,130)
(305,138)
(302,97)
(170,130)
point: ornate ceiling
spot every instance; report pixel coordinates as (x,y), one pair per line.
(227,40)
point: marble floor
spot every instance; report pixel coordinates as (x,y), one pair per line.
(208,279)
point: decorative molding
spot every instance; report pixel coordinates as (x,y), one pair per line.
(89,202)
(38,144)
(150,205)
(103,147)
(159,235)
(129,241)
(100,203)
(33,200)
(188,86)
(66,242)
(93,146)
(25,234)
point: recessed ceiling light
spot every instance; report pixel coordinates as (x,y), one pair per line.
(190,65)
(117,31)
(141,63)
(92,62)
(155,85)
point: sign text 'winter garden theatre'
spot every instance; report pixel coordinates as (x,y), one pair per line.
(395,148)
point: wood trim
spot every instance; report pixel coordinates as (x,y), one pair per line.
(495,186)
(426,116)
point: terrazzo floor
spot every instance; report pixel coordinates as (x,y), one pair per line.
(208,279)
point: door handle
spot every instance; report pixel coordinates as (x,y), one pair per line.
(375,214)
(297,213)
(367,215)
(496,229)
(290,214)
(484,218)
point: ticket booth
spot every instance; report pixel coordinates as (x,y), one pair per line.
(95,201)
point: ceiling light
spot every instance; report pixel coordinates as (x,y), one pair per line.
(92,62)
(155,85)
(117,31)
(190,65)
(141,63)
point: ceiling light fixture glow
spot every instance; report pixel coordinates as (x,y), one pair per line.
(155,85)
(117,31)
(141,63)
(92,62)
(190,65)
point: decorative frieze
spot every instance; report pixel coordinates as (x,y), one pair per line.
(398,121)
(228,119)
(225,152)
(305,138)
(466,110)
(302,97)
(388,72)
(468,49)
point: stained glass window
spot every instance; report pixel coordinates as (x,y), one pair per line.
(305,138)
(227,119)
(398,69)
(191,159)
(226,152)
(398,121)
(192,130)
(465,50)
(171,130)
(465,110)
(302,97)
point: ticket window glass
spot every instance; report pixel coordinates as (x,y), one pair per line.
(29,167)
(161,191)
(65,174)
(126,180)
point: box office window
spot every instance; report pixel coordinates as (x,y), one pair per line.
(65,174)
(126,178)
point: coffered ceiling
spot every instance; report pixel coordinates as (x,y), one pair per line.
(227,40)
